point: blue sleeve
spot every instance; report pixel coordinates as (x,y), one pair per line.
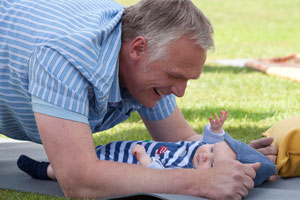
(163,109)
(210,137)
(43,107)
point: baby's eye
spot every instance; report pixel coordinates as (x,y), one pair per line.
(211,150)
(211,164)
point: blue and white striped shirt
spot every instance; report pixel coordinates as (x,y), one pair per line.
(60,58)
(168,155)
(171,155)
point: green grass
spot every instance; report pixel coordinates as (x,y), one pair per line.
(253,28)
(13,195)
(243,29)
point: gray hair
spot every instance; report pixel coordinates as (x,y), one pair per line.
(164,21)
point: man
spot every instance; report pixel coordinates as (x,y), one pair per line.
(78,67)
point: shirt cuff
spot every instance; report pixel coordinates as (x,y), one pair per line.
(210,137)
(40,106)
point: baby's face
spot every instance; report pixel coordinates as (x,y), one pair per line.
(209,155)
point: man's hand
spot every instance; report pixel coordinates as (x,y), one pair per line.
(230,179)
(264,145)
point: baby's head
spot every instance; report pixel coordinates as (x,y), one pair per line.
(208,155)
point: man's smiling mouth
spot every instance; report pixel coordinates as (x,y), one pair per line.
(158,92)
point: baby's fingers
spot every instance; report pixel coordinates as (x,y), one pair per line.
(211,121)
(217,117)
(224,115)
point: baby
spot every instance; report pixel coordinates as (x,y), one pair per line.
(203,157)
(215,146)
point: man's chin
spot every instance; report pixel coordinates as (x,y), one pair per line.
(148,102)
(149,105)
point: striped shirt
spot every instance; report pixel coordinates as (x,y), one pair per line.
(61,58)
(171,155)
(168,155)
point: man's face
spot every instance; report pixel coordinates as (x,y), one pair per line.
(209,155)
(147,84)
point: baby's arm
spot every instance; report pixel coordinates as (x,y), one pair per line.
(214,132)
(216,125)
(141,155)
(144,159)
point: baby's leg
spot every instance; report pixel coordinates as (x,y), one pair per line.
(50,172)
(141,155)
(36,169)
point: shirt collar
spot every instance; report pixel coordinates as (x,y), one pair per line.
(115,93)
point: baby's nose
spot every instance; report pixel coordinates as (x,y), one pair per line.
(206,156)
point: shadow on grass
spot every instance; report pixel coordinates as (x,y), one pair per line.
(191,114)
(246,133)
(137,133)
(234,113)
(243,133)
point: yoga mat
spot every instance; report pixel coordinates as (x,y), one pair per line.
(14,179)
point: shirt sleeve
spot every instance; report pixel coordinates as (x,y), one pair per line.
(163,109)
(156,164)
(210,137)
(43,107)
(53,79)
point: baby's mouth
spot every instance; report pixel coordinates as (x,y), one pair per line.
(158,92)
(198,158)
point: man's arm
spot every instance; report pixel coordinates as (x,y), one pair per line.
(70,149)
(172,129)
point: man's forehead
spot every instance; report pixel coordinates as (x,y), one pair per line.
(186,69)
(184,74)
(187,59)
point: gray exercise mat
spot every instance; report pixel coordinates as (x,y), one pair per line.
(12,178)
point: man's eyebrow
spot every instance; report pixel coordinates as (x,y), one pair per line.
(175,75)
(181,76)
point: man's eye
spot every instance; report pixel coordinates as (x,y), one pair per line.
(211,164)
(171,77)
(211,150)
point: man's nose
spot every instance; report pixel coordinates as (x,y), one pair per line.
(178,88)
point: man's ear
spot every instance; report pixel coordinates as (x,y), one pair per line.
(138,48)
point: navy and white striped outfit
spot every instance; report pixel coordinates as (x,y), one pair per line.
(177,155)
(60,58)
(165,155)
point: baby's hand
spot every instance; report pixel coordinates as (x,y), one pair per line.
(216,125)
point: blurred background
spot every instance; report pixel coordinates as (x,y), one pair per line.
(251,28)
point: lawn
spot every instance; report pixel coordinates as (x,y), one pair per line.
(243,29)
